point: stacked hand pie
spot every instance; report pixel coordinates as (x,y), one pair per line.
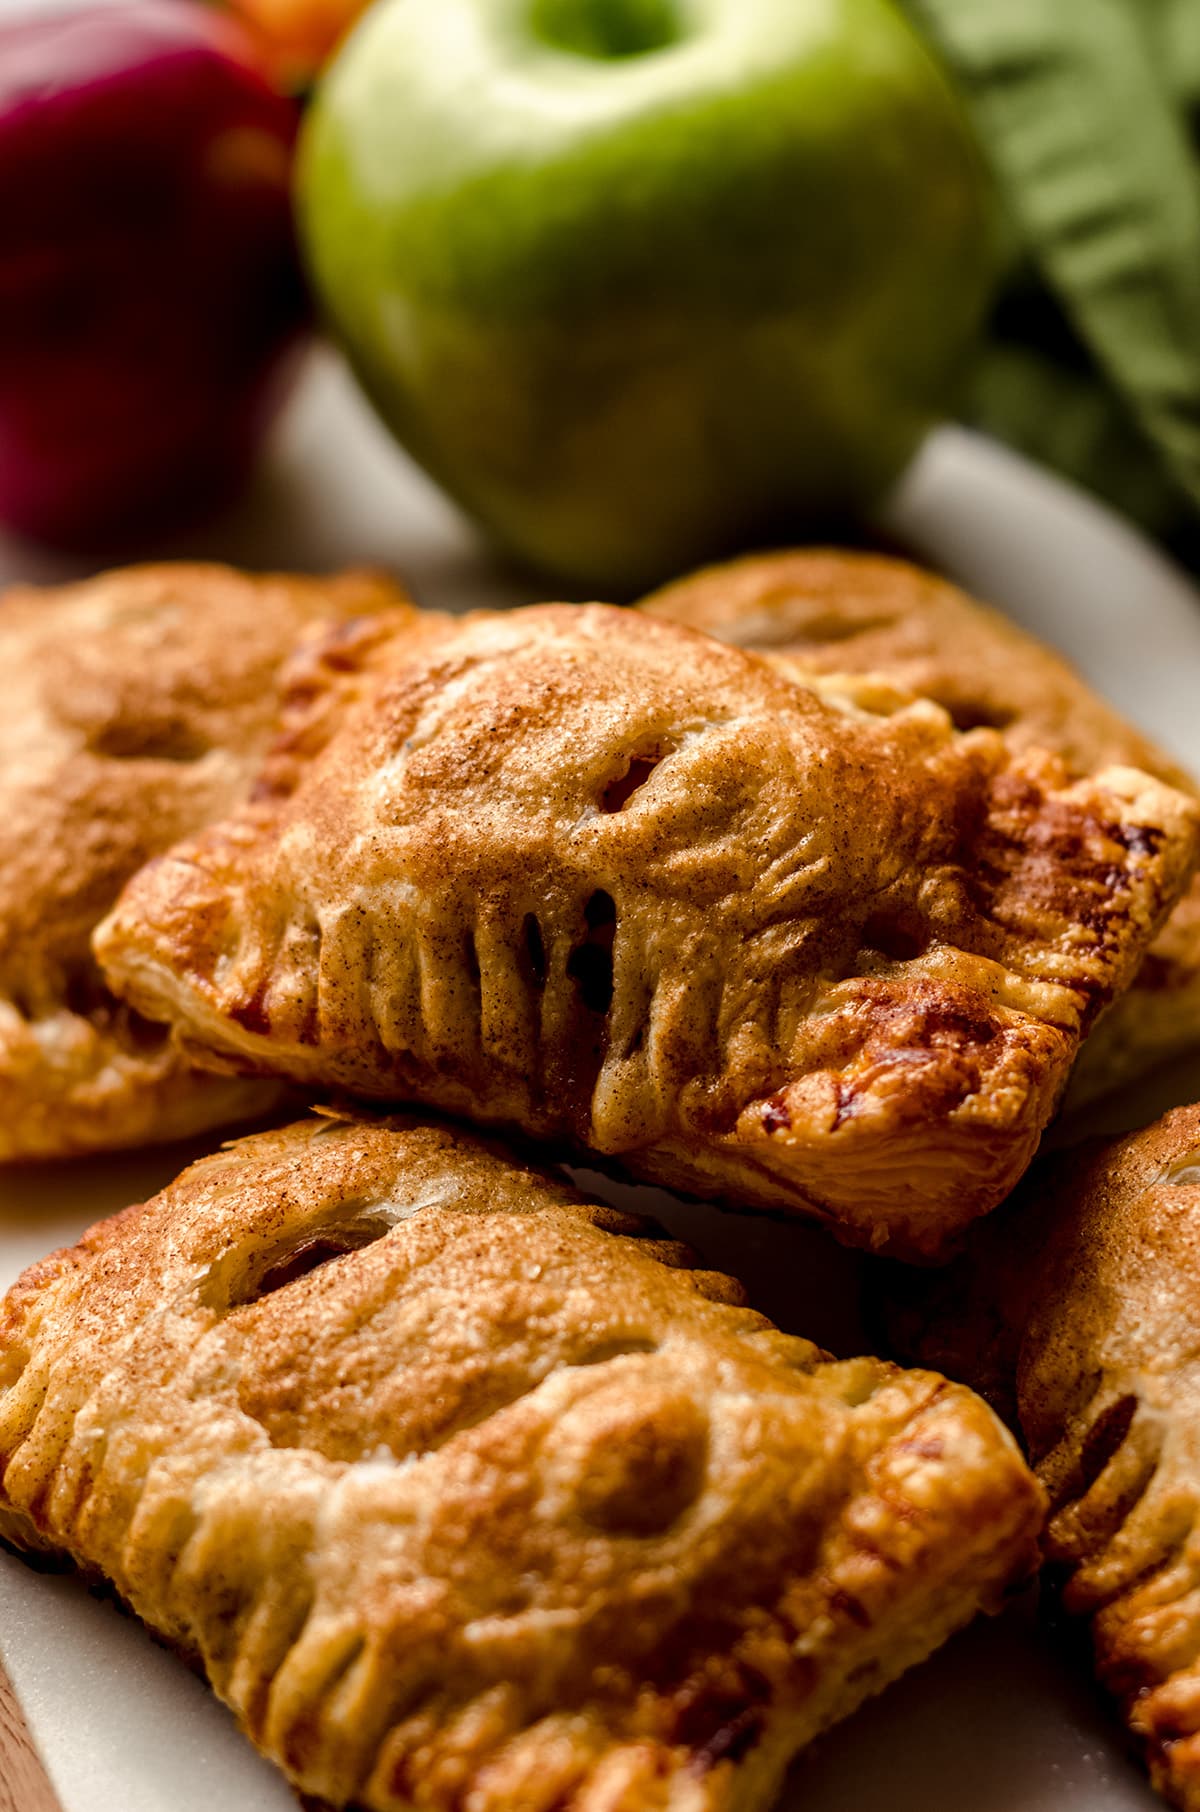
(133,709)
(1077,1312)
(453,1480)
(802,888)
(607,881)
(838,613)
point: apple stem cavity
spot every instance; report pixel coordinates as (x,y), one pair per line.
(607,29)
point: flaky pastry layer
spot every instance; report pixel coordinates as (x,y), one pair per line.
(833,612)
(134,708)
(467,1491)
(601,878)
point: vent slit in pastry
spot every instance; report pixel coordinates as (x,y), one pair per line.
(535,951)
(615,1346)
(590,964)
(619,791)
(901,937)
(288,1267)
(976,714)
(149,741)
(715,1012)
(1105,1436)
(502,1501)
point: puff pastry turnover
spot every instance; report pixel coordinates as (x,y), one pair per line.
(1077,1310)
(835,612)
(133,709)
(467,1492)
(601,878)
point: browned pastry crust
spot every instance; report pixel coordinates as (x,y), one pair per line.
(468,1492)
(843,612)
(602,878)
(835,612)
(133,709)
(1077,1310)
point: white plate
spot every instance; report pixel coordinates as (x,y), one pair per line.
(1000,1721)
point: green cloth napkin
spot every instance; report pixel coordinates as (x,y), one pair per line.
(1089,111)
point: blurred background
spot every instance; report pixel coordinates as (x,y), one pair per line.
(636,282)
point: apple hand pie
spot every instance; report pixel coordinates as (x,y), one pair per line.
(134,708)
(1077,1310)
(465,1491)
(576,871)
(836,613)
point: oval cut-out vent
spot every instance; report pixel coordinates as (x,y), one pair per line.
(291,1266)
(149,741)
(621,789)
(899,936)
(247,1275)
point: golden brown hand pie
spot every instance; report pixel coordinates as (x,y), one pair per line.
(607,880)
(836,612)
(133,709)
(1077,1310)
(467,1492)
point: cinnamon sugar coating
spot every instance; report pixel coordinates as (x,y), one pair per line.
(134,708)
(466,1491)
(1075,1312)
(595,876)
(831,612)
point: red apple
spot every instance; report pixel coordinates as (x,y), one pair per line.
(150,295)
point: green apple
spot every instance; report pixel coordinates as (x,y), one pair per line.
(639,281)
